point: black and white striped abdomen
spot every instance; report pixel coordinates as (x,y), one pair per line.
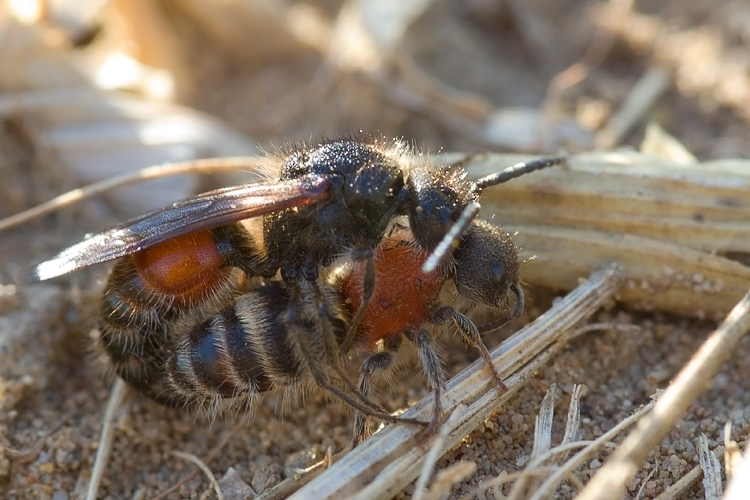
(242,350)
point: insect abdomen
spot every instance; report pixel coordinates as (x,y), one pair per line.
(149,294)
(243,349)
(136,324)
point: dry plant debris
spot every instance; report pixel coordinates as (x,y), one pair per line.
(672,404)
(711,470)
(740,480)
(451,75)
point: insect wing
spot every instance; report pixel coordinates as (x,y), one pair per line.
(215,208)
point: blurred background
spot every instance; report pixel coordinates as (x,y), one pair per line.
(95,88)
(91,89)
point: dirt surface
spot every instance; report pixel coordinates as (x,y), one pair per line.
(53,395)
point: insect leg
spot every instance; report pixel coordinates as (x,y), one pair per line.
(378,362)
(332,351)
(368,288)
(470,335)
(433,371)
(312,360)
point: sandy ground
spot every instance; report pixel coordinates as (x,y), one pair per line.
(52,394)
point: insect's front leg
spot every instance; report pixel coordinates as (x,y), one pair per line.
(470,335)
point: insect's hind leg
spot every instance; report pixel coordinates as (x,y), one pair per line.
(378,362)
(307,352)
(332,347)
(434,372)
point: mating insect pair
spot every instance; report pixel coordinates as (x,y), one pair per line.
(269,286)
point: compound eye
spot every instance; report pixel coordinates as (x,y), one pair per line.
(444,215)
(497,272)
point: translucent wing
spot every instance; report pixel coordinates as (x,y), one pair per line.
(222,206)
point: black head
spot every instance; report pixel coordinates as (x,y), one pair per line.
(446,204)
(436,201)
(486,266)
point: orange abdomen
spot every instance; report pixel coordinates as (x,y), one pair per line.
(187,267)
(403,296)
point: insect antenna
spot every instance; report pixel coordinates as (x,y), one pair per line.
(514,171)
(451,237)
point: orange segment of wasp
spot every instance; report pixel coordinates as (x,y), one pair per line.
(184,267)
(402,300)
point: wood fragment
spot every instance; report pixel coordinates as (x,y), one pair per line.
(116,397)
(450,476)
(712,486)
(543,424)
(652,84)
(542,440)
(658,142)
(557,473)
(732,454)
(702,206)
(739,485)
(661,276)
(683,485)
(420,488)
(577,460)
